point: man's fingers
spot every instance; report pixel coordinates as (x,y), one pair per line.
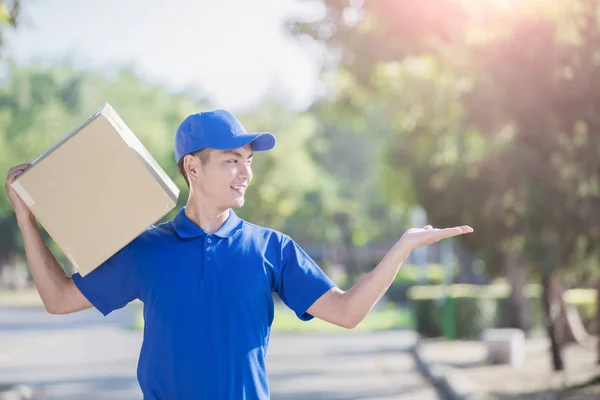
(15,171)
(429,235)
(456,229)
(459,230)
(440,234)
(20,166)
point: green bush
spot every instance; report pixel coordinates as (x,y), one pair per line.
(427,309)
(467,310)
(471,309)
(473,316)
(474,309)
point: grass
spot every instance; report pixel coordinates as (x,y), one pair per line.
(285,320)
(378,320)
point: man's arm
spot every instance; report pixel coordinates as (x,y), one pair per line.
(348,309)
(56,289)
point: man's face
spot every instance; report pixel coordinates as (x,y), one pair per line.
(225,176)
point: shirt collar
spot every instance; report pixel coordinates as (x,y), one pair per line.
(186,228)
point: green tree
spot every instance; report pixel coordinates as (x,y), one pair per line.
(491,111)
(283,177)
(349,151)
(9,17)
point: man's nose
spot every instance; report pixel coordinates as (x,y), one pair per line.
(245,172)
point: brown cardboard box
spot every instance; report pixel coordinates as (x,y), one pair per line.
(96,190)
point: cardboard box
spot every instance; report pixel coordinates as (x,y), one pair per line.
(96,190)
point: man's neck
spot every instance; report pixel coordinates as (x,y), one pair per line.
(206,216)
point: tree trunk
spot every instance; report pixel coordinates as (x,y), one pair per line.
(351,264)
(551,306)
(517,313)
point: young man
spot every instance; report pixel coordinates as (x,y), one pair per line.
(206,277)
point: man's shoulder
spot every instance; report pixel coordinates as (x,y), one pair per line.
(253,229)
(155,234)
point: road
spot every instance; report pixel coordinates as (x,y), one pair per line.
(86,355)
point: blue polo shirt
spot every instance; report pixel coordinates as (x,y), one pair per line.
(208,303)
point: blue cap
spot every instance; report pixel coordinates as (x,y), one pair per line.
(219,130)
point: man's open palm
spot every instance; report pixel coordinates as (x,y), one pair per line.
(417,237)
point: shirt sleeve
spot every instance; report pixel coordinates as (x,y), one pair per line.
(113,284)
(302,282)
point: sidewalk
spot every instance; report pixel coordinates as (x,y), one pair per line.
(464,361)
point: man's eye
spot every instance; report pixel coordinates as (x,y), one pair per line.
(232,161)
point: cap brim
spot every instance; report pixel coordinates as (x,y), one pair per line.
(264,141)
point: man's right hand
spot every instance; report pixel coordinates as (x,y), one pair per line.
(21,209)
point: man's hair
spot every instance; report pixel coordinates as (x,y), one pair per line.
(202,155)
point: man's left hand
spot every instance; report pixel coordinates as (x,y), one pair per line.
(419,237)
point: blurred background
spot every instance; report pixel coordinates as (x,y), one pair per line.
(388,114)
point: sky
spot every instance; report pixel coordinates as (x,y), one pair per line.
(235,51)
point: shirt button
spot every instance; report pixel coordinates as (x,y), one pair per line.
(209,240)
(209,258)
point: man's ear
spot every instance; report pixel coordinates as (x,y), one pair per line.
(191,167)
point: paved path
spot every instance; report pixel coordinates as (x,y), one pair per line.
(85,355)
(345,366)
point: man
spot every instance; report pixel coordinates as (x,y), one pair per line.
(206,277)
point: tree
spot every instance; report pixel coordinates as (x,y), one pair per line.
(501,130)
(9,17)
